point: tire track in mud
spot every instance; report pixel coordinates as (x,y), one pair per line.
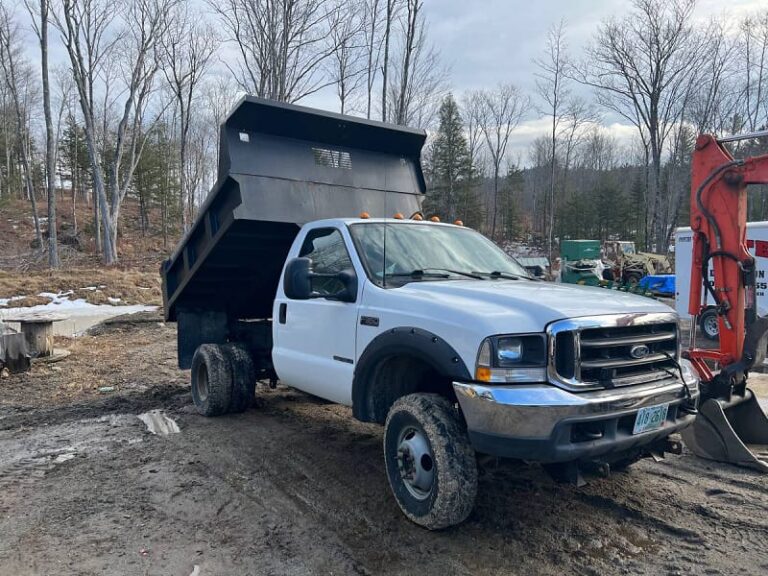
(291,520)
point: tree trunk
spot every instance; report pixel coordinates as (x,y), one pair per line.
(385,65)
(495,199)
(50,144)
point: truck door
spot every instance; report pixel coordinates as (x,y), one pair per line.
(314,346)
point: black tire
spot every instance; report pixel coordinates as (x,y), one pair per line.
(632,279)
(211,380)
(243,377)
(709,325)
(451,464)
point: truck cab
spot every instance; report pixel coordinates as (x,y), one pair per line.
(427,328)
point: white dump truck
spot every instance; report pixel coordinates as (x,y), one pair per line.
(293,272)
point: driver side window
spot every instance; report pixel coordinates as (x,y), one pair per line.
(326,248)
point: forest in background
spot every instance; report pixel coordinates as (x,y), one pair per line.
(127,112)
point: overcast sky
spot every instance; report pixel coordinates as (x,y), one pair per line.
(485,42)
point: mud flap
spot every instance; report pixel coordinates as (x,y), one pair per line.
(733,431)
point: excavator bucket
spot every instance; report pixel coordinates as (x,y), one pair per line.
(733,431)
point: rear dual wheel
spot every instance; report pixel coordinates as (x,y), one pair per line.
(223,379)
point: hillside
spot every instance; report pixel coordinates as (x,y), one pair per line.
(24,273)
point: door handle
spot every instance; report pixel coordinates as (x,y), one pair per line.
(283,312)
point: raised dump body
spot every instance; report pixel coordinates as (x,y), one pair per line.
(280,166)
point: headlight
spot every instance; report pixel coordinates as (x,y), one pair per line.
(518,358)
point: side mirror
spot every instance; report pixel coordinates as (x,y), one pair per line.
(297,280)
(349,279)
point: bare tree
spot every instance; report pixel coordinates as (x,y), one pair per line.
(85,27)
(219,96)
(40,14)
(552,87)
(413,26)
(345,65)
(754,58)
(643,66)
(715,96)
(372,41)
(418,81)
(16,76)
(188,47)
(501,112)
(282,44)
(472,113)
(389,16)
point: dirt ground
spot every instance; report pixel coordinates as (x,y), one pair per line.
(295,486)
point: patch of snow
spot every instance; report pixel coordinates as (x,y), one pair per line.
(6,301)
(64,457)
(79,313)
(158,423)
(113,300)
(77,307)
(91,288)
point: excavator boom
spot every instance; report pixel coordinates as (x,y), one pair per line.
(731,426)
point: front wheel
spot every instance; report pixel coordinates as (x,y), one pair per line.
(430,462)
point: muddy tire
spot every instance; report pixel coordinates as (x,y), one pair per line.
(211,380)
(243,377)
(709,325)
(431,466)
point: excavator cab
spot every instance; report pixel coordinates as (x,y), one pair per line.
(731,425)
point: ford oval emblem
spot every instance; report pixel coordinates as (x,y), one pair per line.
(639,351)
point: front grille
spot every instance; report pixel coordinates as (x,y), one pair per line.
(609,351)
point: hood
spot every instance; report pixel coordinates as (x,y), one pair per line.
(538,302)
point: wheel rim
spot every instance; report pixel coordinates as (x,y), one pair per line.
(415,462)
(202,383)
(711,326)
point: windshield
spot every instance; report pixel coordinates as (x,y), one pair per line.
(628,247)
(430,252)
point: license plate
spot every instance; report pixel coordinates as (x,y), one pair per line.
(650,418)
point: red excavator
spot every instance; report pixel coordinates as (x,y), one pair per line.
(731,426)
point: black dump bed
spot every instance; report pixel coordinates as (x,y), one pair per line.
(281,166)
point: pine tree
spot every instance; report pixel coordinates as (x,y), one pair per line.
(450,169)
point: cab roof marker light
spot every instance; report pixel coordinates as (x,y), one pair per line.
(398,216)
(364,215)
(434,219)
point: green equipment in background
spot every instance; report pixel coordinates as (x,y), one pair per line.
(580,262)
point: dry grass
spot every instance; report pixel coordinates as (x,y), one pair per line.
(28,301)
(95,285)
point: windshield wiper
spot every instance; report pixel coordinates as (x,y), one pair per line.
(499,274)
(474,275)
(435,273)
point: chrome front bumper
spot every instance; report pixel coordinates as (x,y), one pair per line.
(541,422)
